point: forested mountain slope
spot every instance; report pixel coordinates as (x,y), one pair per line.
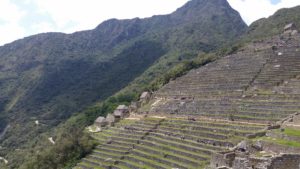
(245,95)
(273,25)
(211,109)
(45,78)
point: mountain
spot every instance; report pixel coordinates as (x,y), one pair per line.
(203,116)
(46,78)
(236,111)
(273,25)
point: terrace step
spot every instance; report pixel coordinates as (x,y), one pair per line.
(167,155)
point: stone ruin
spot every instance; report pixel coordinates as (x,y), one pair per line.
(110,119)
(244,156)
(143,100)
(100,122)
(121,112)
(145,97)
(191,142)
(261,154)
(290,29)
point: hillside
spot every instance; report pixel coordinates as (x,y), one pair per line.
(46,78)
(273,25)
(211,109)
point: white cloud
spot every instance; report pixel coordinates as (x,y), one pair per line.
(252,10)
(89,13)
(10,17)
(43,27)
(27,17)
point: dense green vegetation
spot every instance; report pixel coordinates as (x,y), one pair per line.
(49,77)
(73,137)
(71,142)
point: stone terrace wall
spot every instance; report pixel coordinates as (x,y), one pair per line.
(286,161)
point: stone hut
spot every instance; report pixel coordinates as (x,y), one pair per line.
(134,106)
(100,122)
(290,29)
(145,97)
(110,119)
(121,111)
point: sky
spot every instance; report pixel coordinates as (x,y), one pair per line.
(21,18)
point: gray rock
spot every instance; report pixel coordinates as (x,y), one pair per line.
(242,146)
(258,146)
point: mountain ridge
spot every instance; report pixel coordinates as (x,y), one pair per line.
(86,67)
(50,76)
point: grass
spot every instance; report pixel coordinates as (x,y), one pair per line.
(172,149)
(223,129)
(292,132)
(262,153)
(153,158)
(281,142)
(142,166)
(163,151)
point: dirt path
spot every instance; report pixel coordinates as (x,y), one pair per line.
(4,131)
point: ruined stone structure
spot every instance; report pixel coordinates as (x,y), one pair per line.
(247,160)
(121,112)
(290,29)
(100,122)
(110,119)
(209,111)
(145,97)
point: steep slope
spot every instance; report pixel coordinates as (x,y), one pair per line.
(274,24)
(209,109)
(225,88)
(45,78)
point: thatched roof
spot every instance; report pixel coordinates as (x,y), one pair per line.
(122,107)
(144,95)
(110,118)
(118,113)
(100,119)
(289,26)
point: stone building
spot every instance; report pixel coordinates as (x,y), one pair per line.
(121,111)
(100,122)
(145,97)
(110,119)
(290,29)
(134,106)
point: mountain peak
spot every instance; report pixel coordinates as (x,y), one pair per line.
(203,9)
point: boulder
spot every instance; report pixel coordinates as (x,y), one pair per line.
(258,146)
(294,32)
(242,146)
